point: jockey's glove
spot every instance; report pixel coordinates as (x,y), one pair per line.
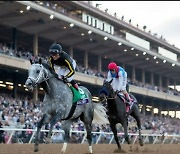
(64,79)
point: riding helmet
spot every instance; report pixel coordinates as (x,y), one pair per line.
(55,48)
(112,66)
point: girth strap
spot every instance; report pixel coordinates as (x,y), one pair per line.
(71,111)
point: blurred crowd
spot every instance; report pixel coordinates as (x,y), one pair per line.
(24,114)
(26,54)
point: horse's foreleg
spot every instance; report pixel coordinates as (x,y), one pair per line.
(39,126)
(66,128)
(114,130)
(139,129)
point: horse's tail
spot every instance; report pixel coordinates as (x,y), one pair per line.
(100,116)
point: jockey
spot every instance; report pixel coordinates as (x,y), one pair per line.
(119,76)
(66,64)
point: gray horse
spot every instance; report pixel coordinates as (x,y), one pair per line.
(58,103)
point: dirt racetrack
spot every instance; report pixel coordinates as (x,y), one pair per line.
(83,149)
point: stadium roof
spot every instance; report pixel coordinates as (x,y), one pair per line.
(37,22)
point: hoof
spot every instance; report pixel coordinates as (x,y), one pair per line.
(36,149)
(141,143)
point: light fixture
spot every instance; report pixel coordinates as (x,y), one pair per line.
(28,7)
(155,57)
(51,16)
(41,3)
(1,81)
(2,85)
(157,62)
(19,85)
(10,83)
(173,64)
(164,61)
(41,88)
(64,27)
(55,4)
(105,38)
(21,11)
(82,34)
(136,54)
(119,43)
(91,39)
(144,53)
(89,32)
(71,25)
(147,58)
(132,48)
(125,50)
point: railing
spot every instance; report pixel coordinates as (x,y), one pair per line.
(147,138)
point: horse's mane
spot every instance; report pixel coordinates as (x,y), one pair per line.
(47,66)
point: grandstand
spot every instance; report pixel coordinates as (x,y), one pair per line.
(93,38)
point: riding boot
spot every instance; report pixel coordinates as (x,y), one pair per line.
(129,100)
(75,85)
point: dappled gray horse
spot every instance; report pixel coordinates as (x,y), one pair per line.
(58,102)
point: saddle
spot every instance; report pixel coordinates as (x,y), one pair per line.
(128,105)
(79,98)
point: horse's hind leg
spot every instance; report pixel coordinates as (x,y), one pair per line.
(66,128)
(39,126)
(87,119)
(136,115)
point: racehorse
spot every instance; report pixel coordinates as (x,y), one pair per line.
(116,111)
(57,104)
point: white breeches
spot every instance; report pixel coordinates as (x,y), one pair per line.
(64,71)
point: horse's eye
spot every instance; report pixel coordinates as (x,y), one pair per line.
(37,71)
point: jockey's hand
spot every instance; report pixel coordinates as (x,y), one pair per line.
(64,79)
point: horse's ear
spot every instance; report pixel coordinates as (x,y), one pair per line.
(111,81)
(31,61)
(40,61)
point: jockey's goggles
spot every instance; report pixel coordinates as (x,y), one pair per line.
(113,71)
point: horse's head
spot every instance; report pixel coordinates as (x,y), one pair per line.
(37,74)
(106,91)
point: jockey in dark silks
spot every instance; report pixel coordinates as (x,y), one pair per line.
(66,64)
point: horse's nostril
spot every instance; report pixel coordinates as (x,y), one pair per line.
(29,84)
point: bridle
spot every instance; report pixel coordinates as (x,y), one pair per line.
(43,73)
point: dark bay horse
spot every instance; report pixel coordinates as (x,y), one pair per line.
(57,104)
(116,110)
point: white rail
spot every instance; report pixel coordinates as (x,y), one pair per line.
(155,138)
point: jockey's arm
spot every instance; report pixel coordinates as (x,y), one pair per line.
(51,63)
(109,78)
(70,67)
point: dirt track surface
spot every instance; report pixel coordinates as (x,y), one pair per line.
(83,149)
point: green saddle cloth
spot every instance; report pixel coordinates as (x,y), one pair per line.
(77,95)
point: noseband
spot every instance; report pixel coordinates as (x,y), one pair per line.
(43,73)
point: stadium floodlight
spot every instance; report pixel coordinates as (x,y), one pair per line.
(164,61)
(105,38)
(89,32)
(28,7)
(155,57)
(173,64)
(71,25)
(144,53)
(119,43)
(51,16)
